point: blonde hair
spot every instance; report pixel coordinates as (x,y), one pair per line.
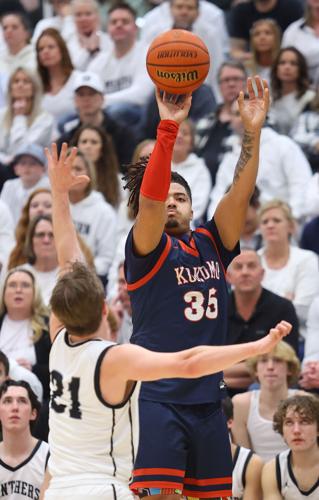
(39,312)
(37,97)
(284,352)
(276,203)
(277,35)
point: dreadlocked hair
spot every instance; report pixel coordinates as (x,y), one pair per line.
(134,178)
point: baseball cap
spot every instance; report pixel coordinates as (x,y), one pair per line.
(33,150)
(88,79)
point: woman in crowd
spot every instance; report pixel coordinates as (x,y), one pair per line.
(24,324)
(290,88)
(23,121)
(56,72)
(254,410)
(97,146)
(39,203)
(94,218)
(41,255)
(193,169)
(265,38)
(303,34)
(289,271)
(17,51)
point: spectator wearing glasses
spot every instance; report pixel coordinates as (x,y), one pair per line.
(212,130)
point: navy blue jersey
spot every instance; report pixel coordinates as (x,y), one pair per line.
(179,300)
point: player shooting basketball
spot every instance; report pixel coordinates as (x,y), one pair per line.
(176,280)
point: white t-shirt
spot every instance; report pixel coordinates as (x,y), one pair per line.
(16,339)
(125,78)
(62,103)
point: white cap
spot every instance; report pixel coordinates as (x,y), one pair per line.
(89,79)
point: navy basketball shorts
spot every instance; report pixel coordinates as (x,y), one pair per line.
(183,449)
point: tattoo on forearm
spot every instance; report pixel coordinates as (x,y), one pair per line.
(245,155)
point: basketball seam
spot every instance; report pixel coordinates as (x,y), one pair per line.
(192,65)
(179,42)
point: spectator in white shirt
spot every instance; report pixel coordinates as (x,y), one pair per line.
(23,121)
(62,20)
(57,73)
(122,69)
(93,217)
(17,50)
(30,166)
(283,172)
(289,271)
(88,40)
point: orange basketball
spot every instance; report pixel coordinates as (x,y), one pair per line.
(177,61)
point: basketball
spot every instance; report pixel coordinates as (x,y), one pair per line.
(177,61)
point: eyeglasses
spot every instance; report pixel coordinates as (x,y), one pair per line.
(43,234)
(229,79)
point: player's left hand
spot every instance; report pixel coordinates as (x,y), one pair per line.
(275,335)
(253,110)
(62,179)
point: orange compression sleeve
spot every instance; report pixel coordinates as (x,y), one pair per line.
(157,175)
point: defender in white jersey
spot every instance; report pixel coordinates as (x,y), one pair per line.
(247,466)
(23,458)
(294,473)
(93,424)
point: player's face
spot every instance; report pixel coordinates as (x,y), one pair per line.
(274,226)
(18,294)
(299,431)
(90,144)
(271,371)
(246,273)
(184,13)
(179,210)
(288,68)
(263,37)
(121,25)
(231,82)
(15,409)
(43,241)
(41,204)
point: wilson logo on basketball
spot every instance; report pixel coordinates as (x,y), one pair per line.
(185,76)
(176,53)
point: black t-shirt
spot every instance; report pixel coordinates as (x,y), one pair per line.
(270,310)
(243,15)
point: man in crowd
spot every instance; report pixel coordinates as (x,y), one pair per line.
(251,309)
(89,102)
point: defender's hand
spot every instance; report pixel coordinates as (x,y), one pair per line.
(275,335)
(173,109)
(253,111)
(60,169)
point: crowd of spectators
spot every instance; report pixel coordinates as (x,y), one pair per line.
(74,71)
